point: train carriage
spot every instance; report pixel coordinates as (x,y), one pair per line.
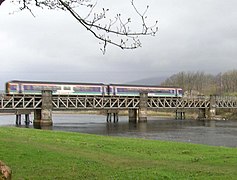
(70,88)
(135,90)
(63,88)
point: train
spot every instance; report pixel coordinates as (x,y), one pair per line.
(72,88)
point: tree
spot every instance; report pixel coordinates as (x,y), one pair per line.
(115,31)
(193,82)
(221,84)
(1,1)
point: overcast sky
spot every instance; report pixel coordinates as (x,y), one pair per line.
(194,35)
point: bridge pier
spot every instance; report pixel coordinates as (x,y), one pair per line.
(43,116)
(111,113)
(27,119)
(132,115)
(180,114)
(139,115)
(212,107)
(19,114)
(202,113)
(142,111)
(18,119)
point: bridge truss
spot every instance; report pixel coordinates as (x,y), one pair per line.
(32,102)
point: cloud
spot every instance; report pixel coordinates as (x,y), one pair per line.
(193,36)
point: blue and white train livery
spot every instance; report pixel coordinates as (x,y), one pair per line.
(71,88)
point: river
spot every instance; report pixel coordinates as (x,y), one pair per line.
(216,133)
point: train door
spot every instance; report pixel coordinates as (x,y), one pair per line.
(114,90)
(20,88)
(179,92)
(103,90)
(106,90)
(111,90)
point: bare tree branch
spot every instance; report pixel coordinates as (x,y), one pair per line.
(1,1)
(115,31)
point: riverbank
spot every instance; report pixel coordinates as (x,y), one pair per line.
(38,154)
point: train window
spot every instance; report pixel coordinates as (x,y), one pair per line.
(120,90)
(96,89)
(66,88)
(55,88)
(76,89)
(48,88)
(87,89)
(13,87)
(180,91)
(27,87)
(37,88)
(163,91)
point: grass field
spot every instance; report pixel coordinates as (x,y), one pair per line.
(40,154)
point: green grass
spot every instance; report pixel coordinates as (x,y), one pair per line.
(40,154)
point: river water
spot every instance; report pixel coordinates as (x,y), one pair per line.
(216,133)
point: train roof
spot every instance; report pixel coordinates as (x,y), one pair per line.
(53,82)
(136,85)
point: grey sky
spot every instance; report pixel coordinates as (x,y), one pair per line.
(193,36)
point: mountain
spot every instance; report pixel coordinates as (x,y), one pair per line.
(149,81)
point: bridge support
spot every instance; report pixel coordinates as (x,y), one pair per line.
(43,116)
(180,114)
(142,111)
(202,114)
(111,113)
(212,107)
(18,119)
(139,115)
(132,115)
(19,114)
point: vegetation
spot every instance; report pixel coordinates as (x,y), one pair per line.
(199,83)
(39,154)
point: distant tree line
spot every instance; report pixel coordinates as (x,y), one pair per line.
(200,83)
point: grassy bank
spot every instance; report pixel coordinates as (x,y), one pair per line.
(38,154)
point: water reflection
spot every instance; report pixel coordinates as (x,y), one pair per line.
(218,133)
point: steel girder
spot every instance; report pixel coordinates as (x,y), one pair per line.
(31,102)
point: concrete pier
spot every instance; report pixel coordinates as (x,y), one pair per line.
(142,111)
(202,113)
(212,107)
(43,116)
(139,115)
(133,115)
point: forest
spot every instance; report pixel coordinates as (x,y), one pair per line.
(200,83)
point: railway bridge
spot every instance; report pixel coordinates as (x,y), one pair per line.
(137,106)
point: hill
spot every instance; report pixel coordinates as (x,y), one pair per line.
(149,81)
